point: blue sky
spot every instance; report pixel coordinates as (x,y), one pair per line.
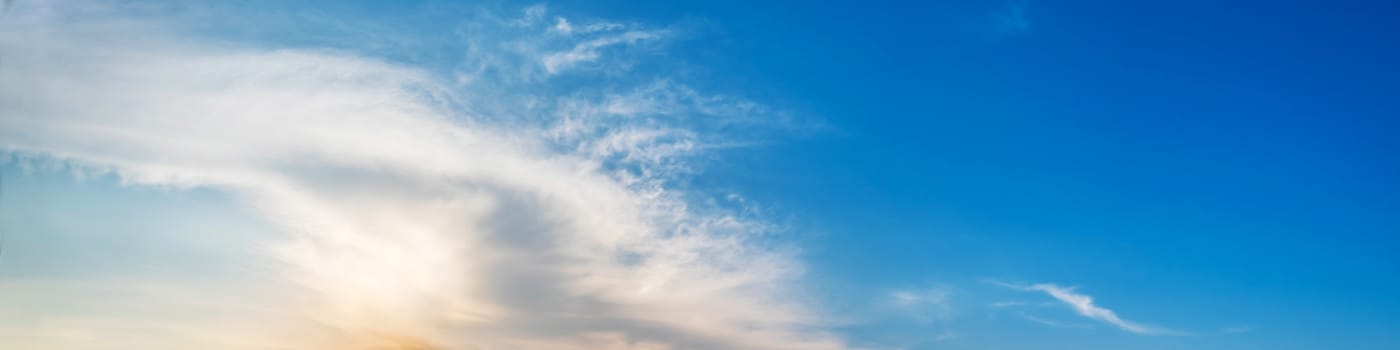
(716,175)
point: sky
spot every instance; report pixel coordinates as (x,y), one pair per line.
(767,175)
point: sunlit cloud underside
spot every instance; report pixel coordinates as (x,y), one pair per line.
(481,206)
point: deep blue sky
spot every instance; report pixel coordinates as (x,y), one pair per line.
(1223,168)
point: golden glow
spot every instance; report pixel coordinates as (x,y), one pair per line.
(397,342)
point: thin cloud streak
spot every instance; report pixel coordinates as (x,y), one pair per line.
(1084,306)
(924,305)
(1050,323)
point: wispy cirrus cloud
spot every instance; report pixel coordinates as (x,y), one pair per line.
(488,208)
(1083,305)
(1051,323)
(589,51)
(1007,304)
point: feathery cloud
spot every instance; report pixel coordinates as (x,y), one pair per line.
(493,210)
(1050,323)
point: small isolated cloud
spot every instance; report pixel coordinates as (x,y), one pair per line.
(925,305)
(1084,306)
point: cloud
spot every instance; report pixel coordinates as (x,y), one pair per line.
(925,305)
(564,26)
(492,210)
(1052,323)
(589,51)
(1084,306)
(910,298)
(1007,304)
(572,46)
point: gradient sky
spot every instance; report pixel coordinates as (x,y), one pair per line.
(713,175)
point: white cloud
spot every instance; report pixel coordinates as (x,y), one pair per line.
(925,304)
(1007,304)
(1051,323)
(910,298)
(590,50)
(1084,306)
(491,213)
(562,25)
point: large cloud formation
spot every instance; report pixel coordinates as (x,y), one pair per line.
(488,208)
